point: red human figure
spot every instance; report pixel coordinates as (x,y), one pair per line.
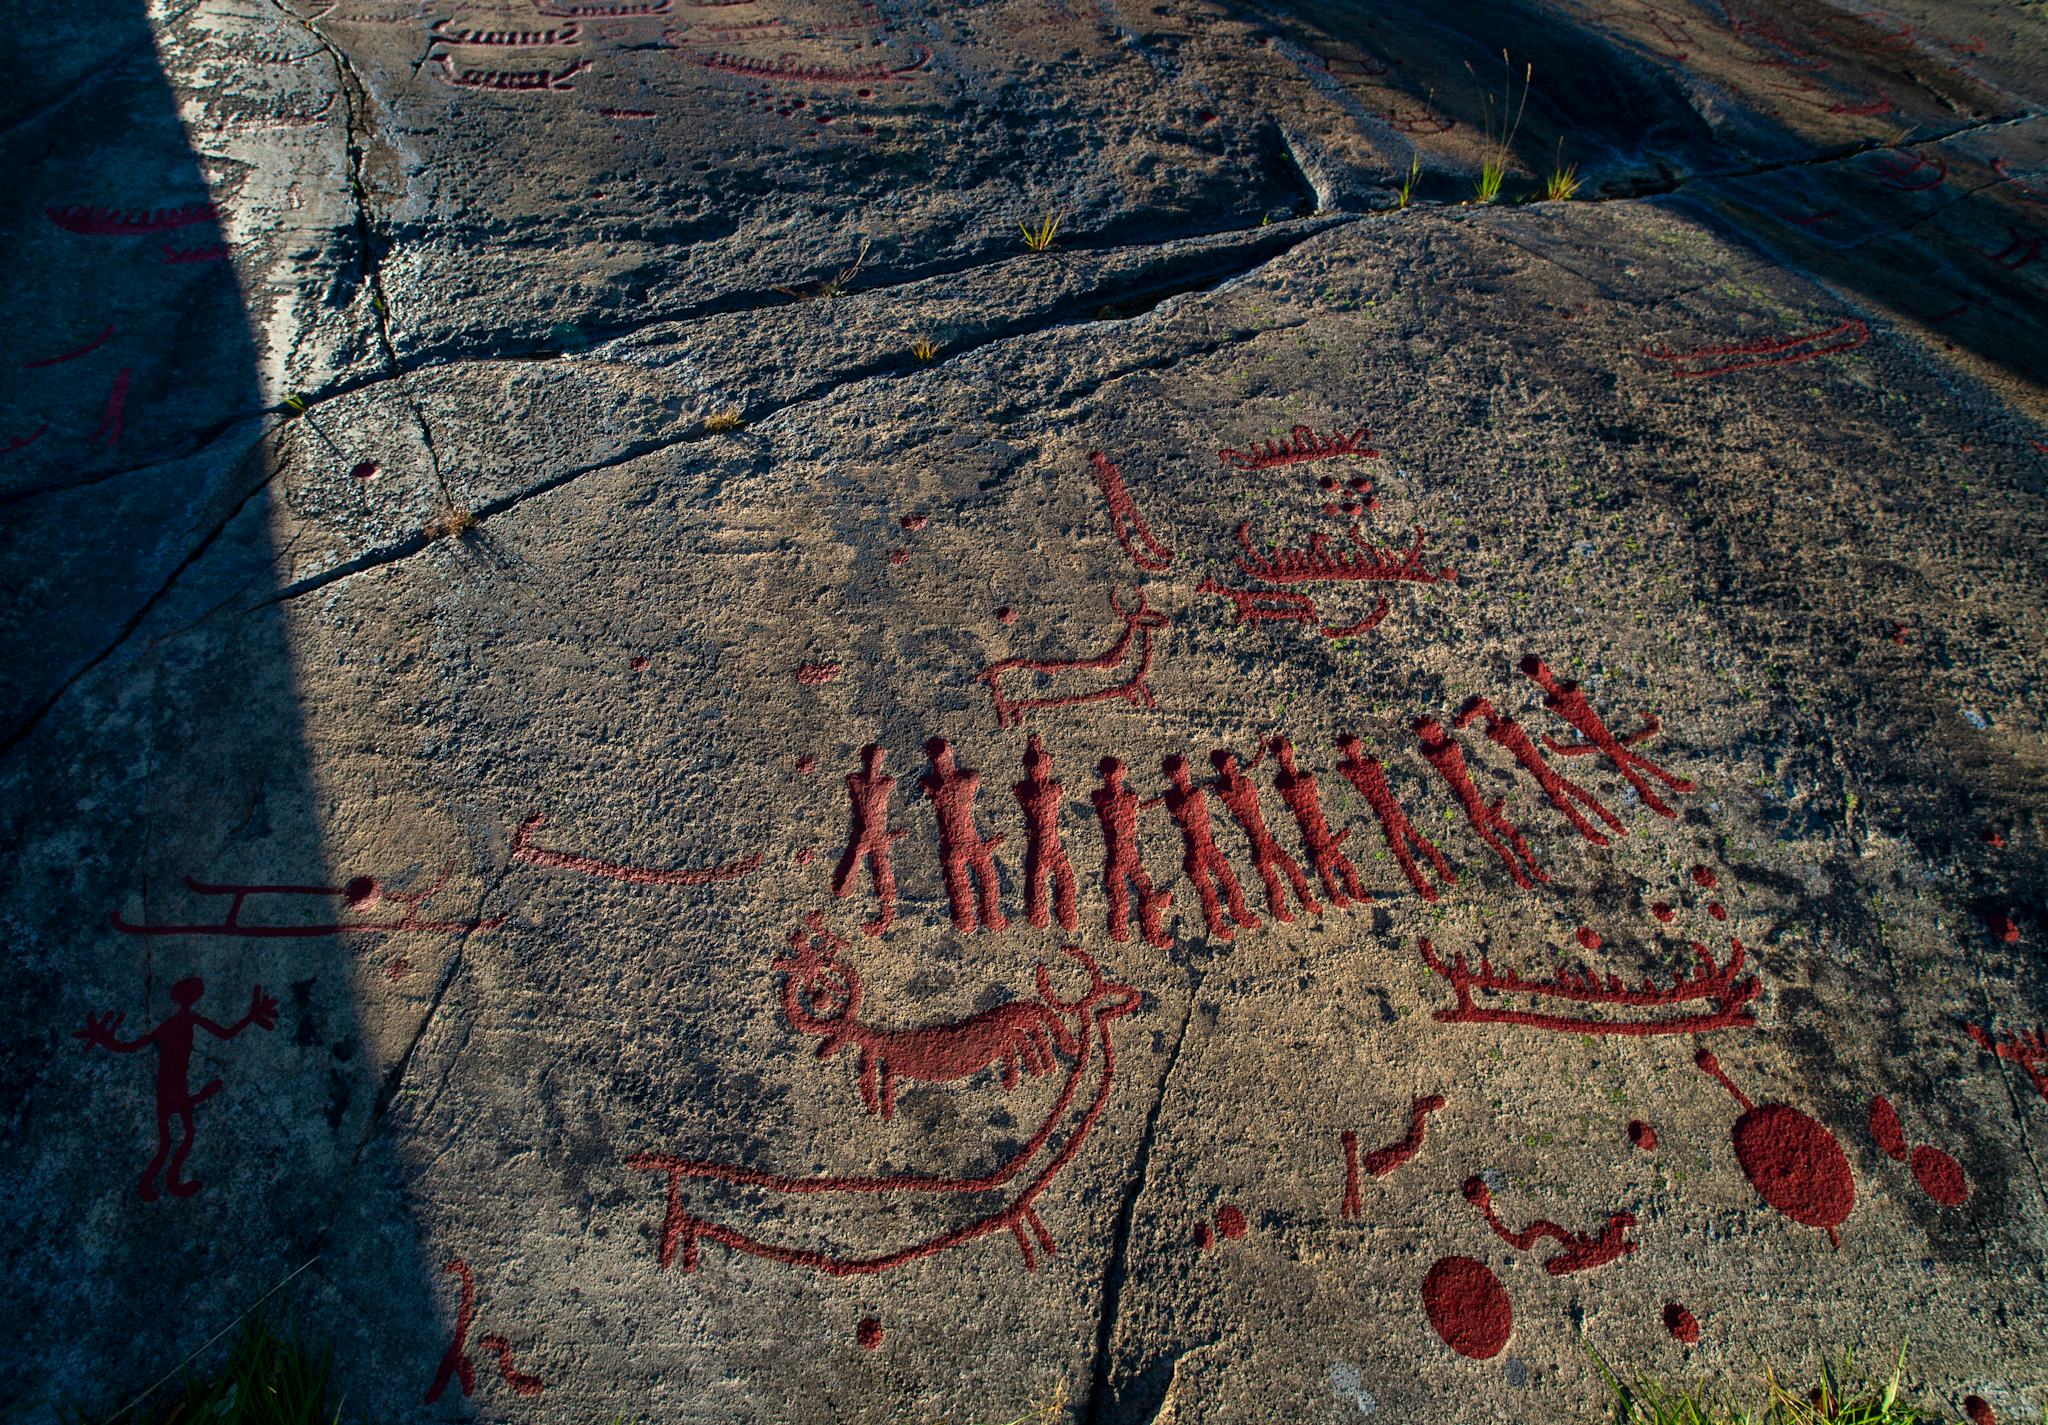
(1298,789)
(1188,805)
(1449,759)
(1040,798)
(1118,806)
(1241,796)
(172,1041)
(870,836)
(455,1363)
(1505,732)
(1569,702)
(963,850)
(1364,772)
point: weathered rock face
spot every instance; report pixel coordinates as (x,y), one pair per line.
(1332,792)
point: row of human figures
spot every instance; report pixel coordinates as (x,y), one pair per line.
(968,862)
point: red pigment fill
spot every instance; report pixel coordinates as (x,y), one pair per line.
(1589,938)
(1682,1324)
(1505,732)
(806,764)
(1663,912)
(1203,863)
(455,1360)
(523,1385)
(915,521)
(1382,1161)
(899,556)
(1238,793)
(964,853)
(808,73)
(398,970)
(109,431)
(869,836)
(1205,1236)
(365,470)
(1230,1223)
(1124,520)
(1793,1162)
(822,997)
(1642,1135)
(1255,606)
(523,849)
(1351,1207)
(1139,626)
(806,855)
(1979,1410)
(2002,926)
(1298,790)
(1370,778)
(1320,564)
(1449,760)
(868,1335)
(1006,614)
(1117,808)
(2027,1048)
(1044,856)
(1707,361)
(1304,446)
(1715,984)
(1582,1250)
(1717,910)
(1468,1307)
(1940,1176)
(1704,877)
(106,335)
(639,664)
(1886,1131)
(1993,838)
(112,222)
(172,1040)
(813,674)
(1569,702)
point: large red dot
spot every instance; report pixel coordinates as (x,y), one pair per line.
(1231,1223)
(1940,1176)
(868,1333)
(1643,1136)
(1885,1130)
(1681,1323)
(1979,1410)
(1468,1306)
(1795,1165)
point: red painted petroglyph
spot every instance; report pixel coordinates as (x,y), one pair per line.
(899,556)
(127,222)
(1044,857)
(2027,1048)
(1793,1162)
(1940,1176)
(1117,808)
(1240,796)
(1304,447)
(1994,838)
(1713,984)
(105,335)
(1717,910)
(1722,360)
(1366,774)
(361,893)
(216,252)
(1704,878)
(509,80)
(523,1385)
(442,33)
(1319,564)
(2025,190)
(1504,732)
(1298,790)
(1124,520)
(1909,170)
(1139,626)
(1351,1206)
(964,853)
(1091,1016)
(868,1334)
(1275,606)
(786,68)
(1664,912)
(1979,1410)
(822,997)
(915,522)
(22,442)
(523,849)
(869,837)
(1681,1323)
(2002,927)
(172,1040)
(1006,615)
(109,431)
(1357,497)
(1490,822)
(1569,702)
(1643,1136)
(813,675)
(1589,938)
(1582,1252)
(1423,120)
(1201,861)
(1383,1160)
(598,10)
(806,764)
(627,114)
(1468,1307)
(1205,1236)
(1230,1223)
(455,1363)
(365,470)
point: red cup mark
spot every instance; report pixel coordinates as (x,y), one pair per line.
(1468,1307)
(868,1334)
(1979,1410)
(1682,1324)
(1663,912)
(915,521)
(1791,1160)
(1643,1136)
(1230,1222)
(811,675)
(1717,910)
(639,663)
(1589,937)
(1940,1176)
(1704,878)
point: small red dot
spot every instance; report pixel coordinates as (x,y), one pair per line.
(1643,1136)
(1979,1410)
(806,764)
(1718,911)
(915,521)
(1663,912)
(1230,1222)
(2003,927)
(639,664)
(899,556)
(400,968)
(1701,876)
(1589,937)
(1681,1323)
(806,856)
(868,1333)
(1329,483)
(366,470)
(362,892)
(1993,838)
(1006,614)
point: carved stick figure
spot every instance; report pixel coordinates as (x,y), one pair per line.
(870,836)
(1365,773)
(962,848)
(1298,789)
(1569,702)
(172,1041)
(1118,806)
(1449,759)
(1188,805)
(455,1363)
(1040,798)
(1505,732)
(1241,795)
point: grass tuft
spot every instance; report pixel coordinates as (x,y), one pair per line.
(454,521)
(1407,190)
(1839,1395)
(270,1376)
(719,422)
(1493,164)
(924,348)
(1563,183)
(834,286)
(1038,239)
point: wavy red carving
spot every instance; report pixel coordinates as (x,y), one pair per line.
(1139,626)
(105,335)
(1708,361)
(1582,1252)
(455,1364)
(1382,1161)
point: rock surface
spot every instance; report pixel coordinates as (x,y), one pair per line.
(474,488)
